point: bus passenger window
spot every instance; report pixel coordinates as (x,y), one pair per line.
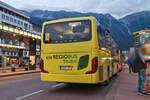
(101,37)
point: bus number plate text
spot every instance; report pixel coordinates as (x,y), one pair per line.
(65,67)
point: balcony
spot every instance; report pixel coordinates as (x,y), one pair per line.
(19,32)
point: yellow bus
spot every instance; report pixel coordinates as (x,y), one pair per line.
(76,50)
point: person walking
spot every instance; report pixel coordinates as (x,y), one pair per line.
(130,61)
(13,67)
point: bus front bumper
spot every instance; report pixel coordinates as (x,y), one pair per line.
(87,78)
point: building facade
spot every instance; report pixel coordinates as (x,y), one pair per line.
(19,38)
(141,37)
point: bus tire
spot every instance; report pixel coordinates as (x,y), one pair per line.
(117,70)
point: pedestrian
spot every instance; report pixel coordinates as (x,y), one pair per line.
(130,61)
(13,67)
(142,65)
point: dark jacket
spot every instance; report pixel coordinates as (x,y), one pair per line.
(140,63)
(130,60)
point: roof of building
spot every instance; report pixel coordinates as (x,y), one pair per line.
(141,31)
(4,5)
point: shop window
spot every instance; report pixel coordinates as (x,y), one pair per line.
(10,42)
(6,53)
(17,43)
(11,53)
(23,44)
(3,41)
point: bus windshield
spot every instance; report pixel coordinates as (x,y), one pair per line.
(67,32)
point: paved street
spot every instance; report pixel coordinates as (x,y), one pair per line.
(29,87)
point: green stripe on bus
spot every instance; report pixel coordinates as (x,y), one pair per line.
(83,62)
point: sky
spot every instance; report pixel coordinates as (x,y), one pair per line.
(117,8)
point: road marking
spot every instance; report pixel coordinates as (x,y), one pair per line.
(30,94)
(27,95)
(57,85)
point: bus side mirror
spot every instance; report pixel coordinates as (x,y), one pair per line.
(107,30)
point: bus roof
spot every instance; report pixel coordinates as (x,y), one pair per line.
(70,19)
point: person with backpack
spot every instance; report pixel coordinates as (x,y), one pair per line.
(139,65)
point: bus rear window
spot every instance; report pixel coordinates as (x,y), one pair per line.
(67,32)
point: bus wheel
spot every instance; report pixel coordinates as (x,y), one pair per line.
(108,78)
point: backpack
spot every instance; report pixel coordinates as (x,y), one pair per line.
(134,66)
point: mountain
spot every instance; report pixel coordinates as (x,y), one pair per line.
(119,30)
(137,21)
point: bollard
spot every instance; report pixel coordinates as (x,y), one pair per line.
(148,79)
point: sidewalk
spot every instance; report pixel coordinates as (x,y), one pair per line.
(19,71)
(125,88)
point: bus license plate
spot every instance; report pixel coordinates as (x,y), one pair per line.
(65,67)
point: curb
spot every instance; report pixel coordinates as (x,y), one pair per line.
(113,90)
(14,74)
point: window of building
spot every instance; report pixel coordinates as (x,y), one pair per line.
(9,12)
(7,18)
(29,27)
(5,10)
(3,16)
(15,21)
(26,26)
(21,23)
(18,22)
(11,19)
(1,9)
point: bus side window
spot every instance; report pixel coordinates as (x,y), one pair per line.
(101,37)
(108,43)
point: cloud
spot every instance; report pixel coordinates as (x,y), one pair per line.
(117,8)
